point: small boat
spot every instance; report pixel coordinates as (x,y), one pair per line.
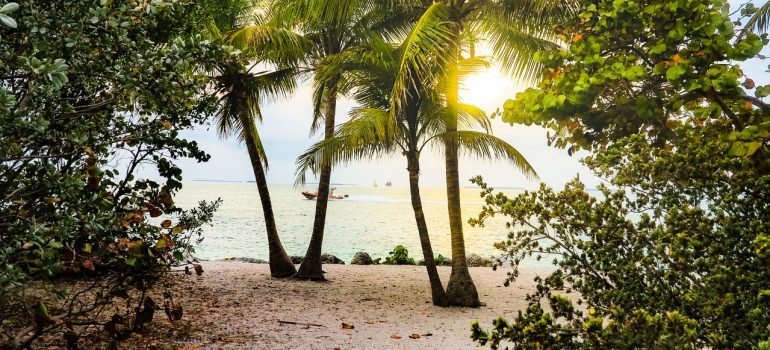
(314,195)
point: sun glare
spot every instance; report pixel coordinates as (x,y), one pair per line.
(487,89)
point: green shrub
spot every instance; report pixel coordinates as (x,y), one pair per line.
(441,260)
(93,91)
(399,256)
(673,252)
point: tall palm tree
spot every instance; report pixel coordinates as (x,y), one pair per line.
(394,120)
(514,31)
(241,92)
(332,29)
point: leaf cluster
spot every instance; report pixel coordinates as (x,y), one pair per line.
(79,117)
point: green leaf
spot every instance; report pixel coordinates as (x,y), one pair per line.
(737,149)
(675,72)
(9,7)
(752,147)
(8,21)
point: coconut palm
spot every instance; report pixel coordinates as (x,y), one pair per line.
(241,89)
(241,92)
(332,30)
(402,112)
(514,30)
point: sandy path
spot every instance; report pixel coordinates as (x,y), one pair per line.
(238,306)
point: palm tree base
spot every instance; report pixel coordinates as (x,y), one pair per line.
(310,277)
(282,272)
(281,265)
(440,299)
(461,291)
(310,271)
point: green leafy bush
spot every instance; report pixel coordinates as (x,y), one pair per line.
(442,261)
(399,256)
(675,257)
(90,92)
(673,253)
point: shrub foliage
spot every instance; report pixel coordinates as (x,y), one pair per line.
(673,252)
(79,116)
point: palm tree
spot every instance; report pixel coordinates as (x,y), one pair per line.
(331,31)
(514,31)
(241,92)
(406,120)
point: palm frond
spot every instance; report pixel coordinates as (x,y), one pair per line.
(362,137)
(271,43)
(422,50)
(319,96)
(370,123)
(275,84)
(473,65)
(516,29)
(486,146)
(471,116)
(759,22)
(514,47)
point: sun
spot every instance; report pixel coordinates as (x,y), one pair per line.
(487,89)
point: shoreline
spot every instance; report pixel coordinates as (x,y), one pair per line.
(237,305)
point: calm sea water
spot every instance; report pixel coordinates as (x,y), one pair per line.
(371,219)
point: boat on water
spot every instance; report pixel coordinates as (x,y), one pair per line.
(314,195)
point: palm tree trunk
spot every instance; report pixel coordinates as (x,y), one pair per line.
(460,289)
(311,264)
(438,294)
(280,263)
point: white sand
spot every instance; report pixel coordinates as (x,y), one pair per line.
(238,305)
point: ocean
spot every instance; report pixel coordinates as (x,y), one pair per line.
(372,219)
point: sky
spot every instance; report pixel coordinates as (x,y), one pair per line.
(285,133)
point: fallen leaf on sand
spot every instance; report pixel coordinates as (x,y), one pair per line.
(414,336)
(427,334)
(395,336)
(347,326)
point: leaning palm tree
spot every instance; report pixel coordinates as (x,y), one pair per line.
(241,92)
(395,120)
(514,30)
(331,30)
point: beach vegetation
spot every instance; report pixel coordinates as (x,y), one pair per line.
(399,256)
(78,116)
(672,252)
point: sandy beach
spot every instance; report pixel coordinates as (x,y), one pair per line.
(236,305)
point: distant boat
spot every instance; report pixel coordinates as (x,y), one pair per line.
(375,184)
(388,184)
(314,195)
